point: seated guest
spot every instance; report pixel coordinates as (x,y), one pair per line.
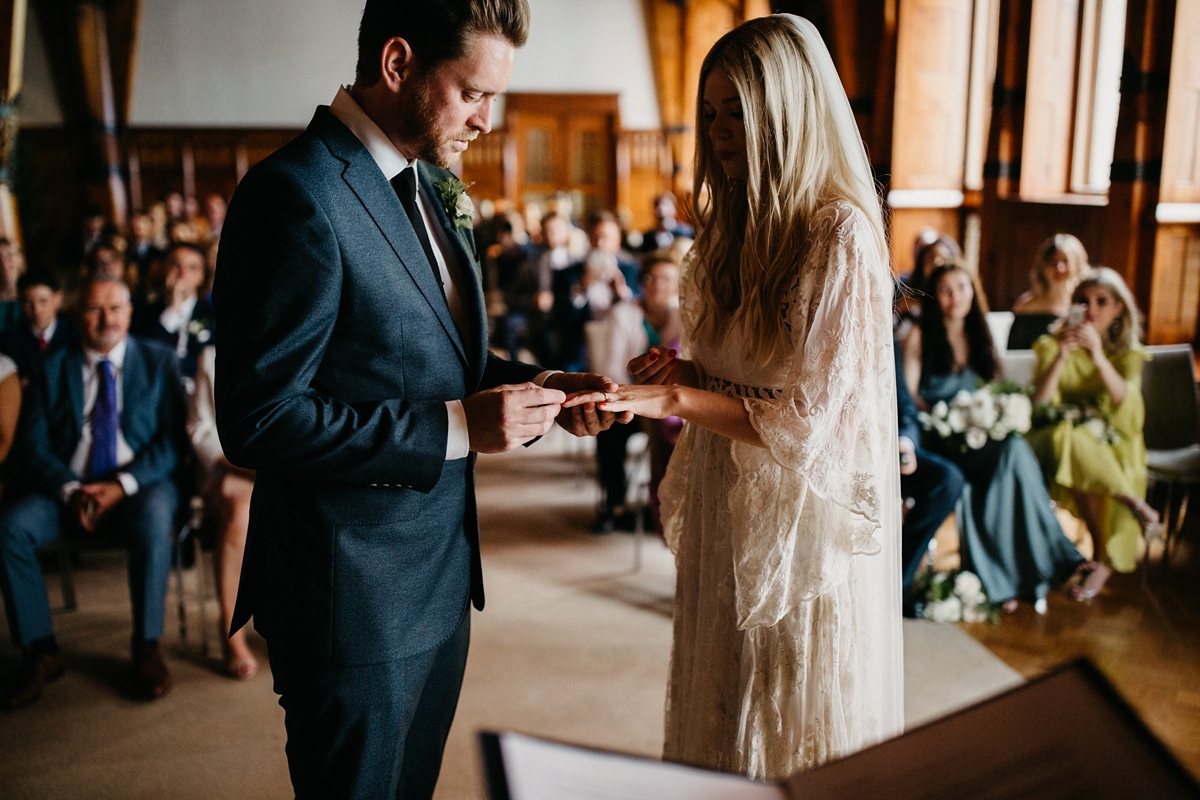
(527,294)
(12,265)
(215,209)
(227,489)
(587,289)
(930,251)
(10,407)
(142,248)
(1097,466)
(1060,265)
(934,483)
(181,318)
(99,441)
(630,329)
(668,228)
(43,329)
(1009,535)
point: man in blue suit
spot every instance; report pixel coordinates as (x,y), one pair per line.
(100,438)
(933,483)
(353,375)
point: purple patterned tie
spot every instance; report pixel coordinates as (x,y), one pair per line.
(104,424)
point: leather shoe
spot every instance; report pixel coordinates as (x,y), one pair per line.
(149,672)
(39,670)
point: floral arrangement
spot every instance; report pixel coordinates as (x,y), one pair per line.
(1090,418)
(954,597)
(993,412)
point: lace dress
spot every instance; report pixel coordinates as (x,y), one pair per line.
(787,645)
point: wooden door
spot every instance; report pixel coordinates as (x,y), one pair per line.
(566,144)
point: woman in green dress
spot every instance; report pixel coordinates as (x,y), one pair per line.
(1008,533)
(1095,459)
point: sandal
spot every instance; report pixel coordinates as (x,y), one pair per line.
(1148,518)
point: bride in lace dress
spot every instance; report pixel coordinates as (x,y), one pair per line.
(782,499)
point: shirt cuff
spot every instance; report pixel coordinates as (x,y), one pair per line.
(69,489)
(128,483)
(458,440)
(540,380)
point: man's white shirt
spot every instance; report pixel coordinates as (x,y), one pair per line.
(91,388)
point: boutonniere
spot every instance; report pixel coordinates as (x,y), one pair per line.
(457,203)
(200,330)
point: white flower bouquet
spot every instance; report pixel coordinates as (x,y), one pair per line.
(1090,418)
(971,419)
(954,597)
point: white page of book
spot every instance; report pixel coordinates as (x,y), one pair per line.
(540,770)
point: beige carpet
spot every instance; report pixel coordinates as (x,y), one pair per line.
(573,645)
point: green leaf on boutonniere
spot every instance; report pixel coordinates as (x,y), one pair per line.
(458,205)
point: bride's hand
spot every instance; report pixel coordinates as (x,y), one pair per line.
(660,366)
(654,402)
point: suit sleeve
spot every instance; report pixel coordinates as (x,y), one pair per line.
(906,408)
(277,298)
(48,472)
(499,372)
(160,456)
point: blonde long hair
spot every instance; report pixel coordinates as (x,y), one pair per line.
(804,152)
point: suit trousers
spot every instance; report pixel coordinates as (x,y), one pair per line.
(371,731)
(935,487)
(610,462)
(145,520)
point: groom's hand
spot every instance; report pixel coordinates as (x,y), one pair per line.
(506,417)
(580,415)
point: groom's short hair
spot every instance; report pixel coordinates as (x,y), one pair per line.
(437,30)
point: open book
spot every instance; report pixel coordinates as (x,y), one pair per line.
(1066,735)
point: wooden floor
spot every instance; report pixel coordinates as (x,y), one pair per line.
(1146,640)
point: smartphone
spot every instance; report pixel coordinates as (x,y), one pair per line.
(1076,314)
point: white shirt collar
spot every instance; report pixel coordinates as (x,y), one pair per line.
(116,356)
(47,334)
(351,114)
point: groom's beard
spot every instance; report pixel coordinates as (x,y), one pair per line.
(418,125)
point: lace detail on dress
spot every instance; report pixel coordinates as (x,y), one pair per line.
(715,383)
(787,620)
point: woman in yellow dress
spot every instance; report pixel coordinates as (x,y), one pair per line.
(1095,457)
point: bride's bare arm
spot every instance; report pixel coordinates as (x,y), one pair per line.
(660,366)
(725,416)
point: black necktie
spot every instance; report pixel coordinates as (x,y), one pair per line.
(405,186)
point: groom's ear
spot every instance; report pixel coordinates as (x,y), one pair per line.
(397,63)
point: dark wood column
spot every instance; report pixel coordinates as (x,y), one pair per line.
(12,61)
(90,44)
(1002,169)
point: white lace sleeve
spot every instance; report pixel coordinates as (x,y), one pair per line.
(812,499)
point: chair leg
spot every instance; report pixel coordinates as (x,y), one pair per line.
(179,590)
(1171,532)
(66,576)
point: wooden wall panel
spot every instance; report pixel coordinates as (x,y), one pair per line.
(1014,231)
(1181,152)
(929,133)
(643,171)
(906,222)
(1049,98)
(1175,292)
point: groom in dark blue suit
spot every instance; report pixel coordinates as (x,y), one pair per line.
(353,375)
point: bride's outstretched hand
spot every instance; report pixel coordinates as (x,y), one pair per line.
(654,402)
(660,366)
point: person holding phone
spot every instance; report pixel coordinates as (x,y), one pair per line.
(1090,370)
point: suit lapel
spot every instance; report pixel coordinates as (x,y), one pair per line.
(368,183)
(73,365)
(134,382)
(472,295)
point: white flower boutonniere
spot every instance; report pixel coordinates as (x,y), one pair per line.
(457,203)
